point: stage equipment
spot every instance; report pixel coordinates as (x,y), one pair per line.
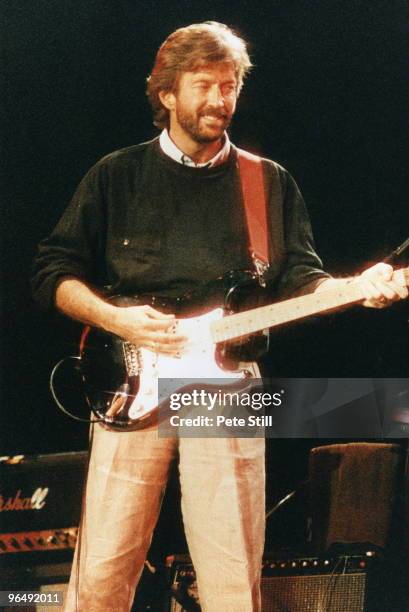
(40,507)
(347,583)
(357,495)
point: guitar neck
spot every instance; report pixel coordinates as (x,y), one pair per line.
(274,315)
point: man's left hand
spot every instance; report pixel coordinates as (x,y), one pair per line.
(381,287)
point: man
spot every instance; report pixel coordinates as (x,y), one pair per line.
(161,218)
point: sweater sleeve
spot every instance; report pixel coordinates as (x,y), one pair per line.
(302,270)
(75,246)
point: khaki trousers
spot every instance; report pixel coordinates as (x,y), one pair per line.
(223,488)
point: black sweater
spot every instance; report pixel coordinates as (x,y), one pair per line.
(140,222)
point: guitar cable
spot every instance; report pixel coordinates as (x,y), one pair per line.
(56,399)
(84,488)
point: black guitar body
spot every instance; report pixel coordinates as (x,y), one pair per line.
(110,366)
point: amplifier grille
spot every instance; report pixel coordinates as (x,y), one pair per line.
(320,593)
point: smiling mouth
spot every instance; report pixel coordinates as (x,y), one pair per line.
(214,118)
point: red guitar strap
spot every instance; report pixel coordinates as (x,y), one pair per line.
(252,185)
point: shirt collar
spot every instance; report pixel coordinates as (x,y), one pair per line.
(169,148)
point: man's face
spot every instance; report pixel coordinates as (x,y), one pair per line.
(204,102)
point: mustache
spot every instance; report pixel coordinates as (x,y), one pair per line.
(215,112)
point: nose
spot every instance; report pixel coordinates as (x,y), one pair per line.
(215,96)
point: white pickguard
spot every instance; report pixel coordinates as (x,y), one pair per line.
(197,362)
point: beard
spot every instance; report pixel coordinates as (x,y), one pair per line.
(199,129)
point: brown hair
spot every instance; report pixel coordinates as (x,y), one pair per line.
(186,50)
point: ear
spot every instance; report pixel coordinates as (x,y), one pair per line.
(168,99)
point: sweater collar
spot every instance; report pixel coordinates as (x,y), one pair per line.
(169,148)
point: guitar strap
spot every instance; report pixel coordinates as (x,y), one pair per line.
(252,186)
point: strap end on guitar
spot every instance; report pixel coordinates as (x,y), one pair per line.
(261,266)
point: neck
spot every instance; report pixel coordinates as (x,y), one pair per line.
(200,153)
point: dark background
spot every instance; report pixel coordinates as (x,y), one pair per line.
(326,99)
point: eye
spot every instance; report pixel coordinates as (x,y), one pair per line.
(228,90)
(202,86)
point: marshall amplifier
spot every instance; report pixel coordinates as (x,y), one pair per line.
(40,507)
(348,583)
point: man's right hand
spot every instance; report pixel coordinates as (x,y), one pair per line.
(142,325)
(148,328)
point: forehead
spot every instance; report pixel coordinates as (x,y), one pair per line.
(223,71)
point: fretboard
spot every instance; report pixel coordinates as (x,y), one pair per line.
(251,321)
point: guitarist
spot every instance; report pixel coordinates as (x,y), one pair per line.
(161,218)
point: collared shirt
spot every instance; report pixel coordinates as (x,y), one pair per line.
(168,146)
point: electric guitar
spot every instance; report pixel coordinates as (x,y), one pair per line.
(226,338)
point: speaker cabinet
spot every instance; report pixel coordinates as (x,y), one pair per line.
(355,583)
(356,495)
(299,588)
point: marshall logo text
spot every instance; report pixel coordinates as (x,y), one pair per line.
(35,502)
